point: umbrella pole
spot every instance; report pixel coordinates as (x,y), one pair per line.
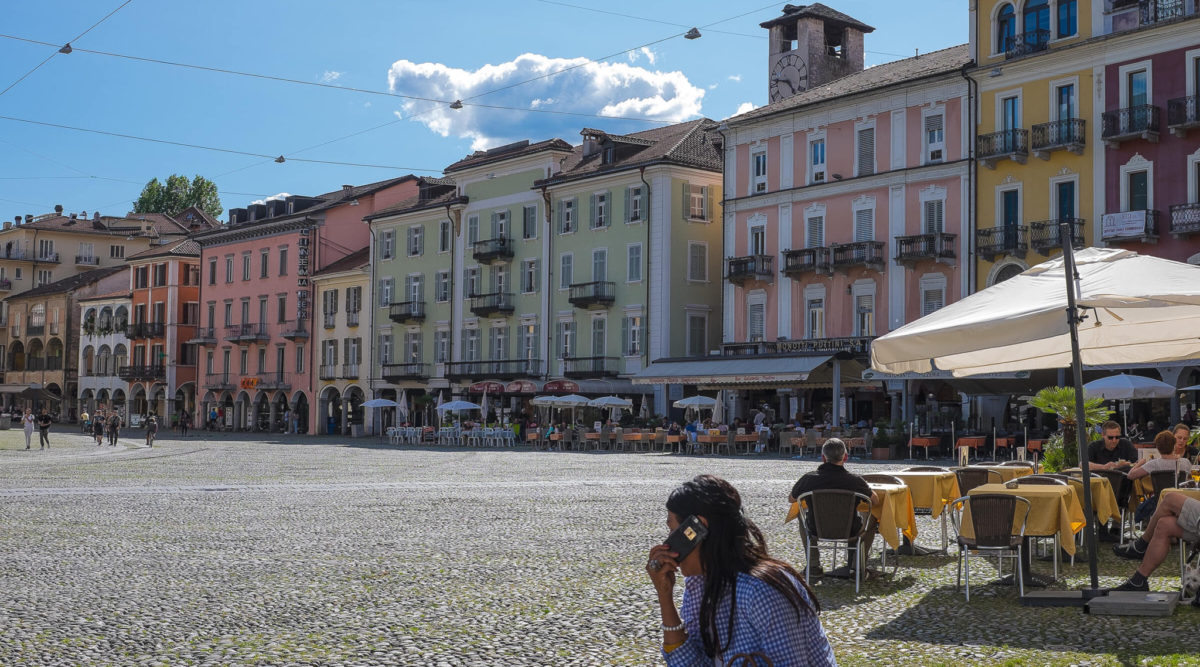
(1066,234)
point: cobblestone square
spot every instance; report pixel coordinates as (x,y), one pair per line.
(211,551)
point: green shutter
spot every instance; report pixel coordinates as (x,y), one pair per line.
(560,215)
(625,336)
(709,213)
(687,200)
(592,210)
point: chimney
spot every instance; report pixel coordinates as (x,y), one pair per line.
(74,215)
(58,209)
(16,220)
(96,215)
(83,214)
(346,189)
(28,218)
(7,225)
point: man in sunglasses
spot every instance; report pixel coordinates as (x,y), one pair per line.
(1112,451)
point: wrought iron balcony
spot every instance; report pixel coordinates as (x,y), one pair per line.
(87,260)
(496,303)
(400,372)
(1026,43)
(349,371)
(204,336)
(329,320)
(35,330)
(1139,122)
(1185,219)
(1046,235)
(1002,240)
(51,257)
(751,268)
(1130,226)
(327,372)
(598,294)
(275,381)
(144,330)
(1158,11)
(860,253)
(246,333)
(578,368)
(991,148)
(1183,114)
(407,311)
(498,369)
(142,372)
(5,285)
(855,345)
(806,260)
(1066,134)
(491,250)
(218,382)
(295,330)
(352,318)
(937,246)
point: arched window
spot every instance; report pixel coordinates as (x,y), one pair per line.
(1006,28)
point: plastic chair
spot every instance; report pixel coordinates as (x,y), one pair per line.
(992,517)
(833,514)
(787,442)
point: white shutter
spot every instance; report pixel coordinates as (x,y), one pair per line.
(816,232)
(864,224)
(932,300)
(757,324)
(866,151)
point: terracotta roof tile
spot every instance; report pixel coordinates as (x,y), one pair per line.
(685,144)
(70,283)
(518,149)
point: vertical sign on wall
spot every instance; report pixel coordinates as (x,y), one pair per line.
(302,282)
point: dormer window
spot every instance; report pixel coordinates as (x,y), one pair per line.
(609,155)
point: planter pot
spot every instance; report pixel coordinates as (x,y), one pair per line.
(881,453)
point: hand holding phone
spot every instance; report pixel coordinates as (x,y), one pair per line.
(686,537)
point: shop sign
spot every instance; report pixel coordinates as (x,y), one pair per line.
(302,280)
(489,386)
(561,387)
(1124,224)
(249,383)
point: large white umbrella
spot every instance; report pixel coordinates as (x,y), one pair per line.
(402,408)
(544,401)
(571,401)
(697,402)
(457,406)
(645,407)
(1125,387)
(380,403)
(1096,307)
(483,405)
(610,402)
(718,412)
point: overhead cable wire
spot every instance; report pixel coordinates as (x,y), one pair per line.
(643,18)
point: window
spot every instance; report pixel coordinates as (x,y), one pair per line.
(816,318)
(633,204)
(385,292)
(191,314)
(141,277)
(116,251)
(329,354)
(864,224)
(756,316)
(864,315)
(160,275)
(933,221)
(245,311)
(246,266)
(262,360)
(600,265)
(695,202)
(631,336)
(441,346)
(472,229)
(281,303)
(299,358)
(416,240)
(228,313)
(444,236)
(1068,18)
(1064,200)
(263,260)
(1064,97)
(564,270)
(499,343)
(208,362)
(697,335)
(46,249)
(697,261)
(599,204)
(1139,194)
(633,263)
(243,361)
(816,161)
(566,339)
(212,315)
(1036,22)
(191,275)
(283,257)
(499,279)
(441,286)
(87,251)
(758,173)
(471,345)
(1136,93)
(43,277)
(529,276)
(865,151)
(413,344)
(814,230)
(935,138)
(932,299)
(212,271)
(758,240)
(529,222)
(471,281)
(387,244)
(530,346)
(500,224)
(225,361)
(414,289)
(353,299)
(385,349)
(566,216)
(1006,29)
(599,330)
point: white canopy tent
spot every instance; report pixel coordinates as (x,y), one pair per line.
(1124,387)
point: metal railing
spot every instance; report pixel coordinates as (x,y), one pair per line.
(5,284)
(489,249)
(857,345)
(500,369)
(218,381)
(293,329)
(1026,43)
(600,292)
(937,245)
(805,260)
(327,372)
(1002,143)
(1183,111)
(858,253)
(1157,11)
(246,332)
(51,257)
(1185,218)
(1002,240)
(35,330)
(204,335)
(750,267)
(410,371)
(1046,235)
(352,318)
(590,367)
(142,372)
(329,320)
(275,380)
(1066,133)
(1128,122)
(349,371)
(1149,229)
(495,302)
(405,311)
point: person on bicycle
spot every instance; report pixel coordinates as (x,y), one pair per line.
(151,430)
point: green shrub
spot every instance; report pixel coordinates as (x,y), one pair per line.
(1054,458)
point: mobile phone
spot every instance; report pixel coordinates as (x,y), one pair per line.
(686,537)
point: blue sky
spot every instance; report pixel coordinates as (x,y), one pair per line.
(444,50)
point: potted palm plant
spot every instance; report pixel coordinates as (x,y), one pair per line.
(1060,401)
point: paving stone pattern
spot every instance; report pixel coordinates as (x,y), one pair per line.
(212,551)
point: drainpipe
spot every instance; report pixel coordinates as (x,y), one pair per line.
(371,327)
(646,277)
(549,286)
(455,218)
(973,191)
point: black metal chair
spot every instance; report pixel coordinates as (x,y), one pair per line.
(992,518)
(971,477)
(833,513)
(1119,482)
(1166,479)
(1018,464)
(881,478)
(1044,479)
(925,469)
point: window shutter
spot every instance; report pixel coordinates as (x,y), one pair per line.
(509,221)
(687,200)
(592,212)
(625,336)
(864,224)
(866,151)
(609,208)
(574,338)
(933,216)
(816,232)
(628,205)
(708,204)
(931,301)
(334,293)
(537,341)
(535,278)
(756,326)
(358,351)
(561,215)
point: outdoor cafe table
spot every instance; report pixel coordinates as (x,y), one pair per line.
(1104,498)
(926,442)
(894,513)
(748,439)
(1190,493)
(1053,510)
(1008,473)
(931,491)
(711,440)
(972,441)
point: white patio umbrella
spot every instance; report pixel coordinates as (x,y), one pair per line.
(696,402)
(1095,307)
(402,409)
(718,412)
(483,405)
(457,406)
(380,403)
(1124,387)
(1195,387)
(610,402)
(571,401)
(544,401)
(645,407)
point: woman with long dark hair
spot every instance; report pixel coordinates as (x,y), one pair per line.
(739,604)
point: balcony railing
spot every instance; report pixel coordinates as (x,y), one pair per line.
(1183,113)
(13,253)
(600,293)
(1068,134)
(5,285)
(860,253)
(142,372)
(329,320)
(275,381)
(54,363)
(1185,219)
(1130,226)
(35,363)
(856,345)
(35,330)
(327,372)
(51,257)
(245,333)
(87,260)
(218,382)
(352,318)
(1046,235)
(998,145)
(491,250)
(144,330)
(294,329)
(407,311)
(806,260)
(1157,11)
(204,336)
(749,268)
(590,367)
(1138,122)
(349,371)
(496,303)
(936,246)
(1002,240)
(1026,43)
(498,369)
(401,372)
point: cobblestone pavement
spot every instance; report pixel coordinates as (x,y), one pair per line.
(209,550)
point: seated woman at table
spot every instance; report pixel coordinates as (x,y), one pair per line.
(1168,460)
(739,603)
(1182,448)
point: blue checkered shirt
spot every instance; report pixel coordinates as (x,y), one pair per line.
(765,622)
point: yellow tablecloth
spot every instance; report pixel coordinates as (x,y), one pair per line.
(931,490)
(1104,501)
(1053,509)
(1009,473)
(1190,493)
(894,513)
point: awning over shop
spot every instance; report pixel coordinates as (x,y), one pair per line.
(872,374)
(733,371)
(619,387)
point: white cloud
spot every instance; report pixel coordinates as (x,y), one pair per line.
(330,76)
(366,105)
(712,86)
(281,195)
(643,52)
(612,89)
(735,77)
(744,107)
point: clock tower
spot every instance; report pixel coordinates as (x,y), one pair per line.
(811,45)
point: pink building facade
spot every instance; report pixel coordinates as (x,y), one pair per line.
(256,357)
(847,215)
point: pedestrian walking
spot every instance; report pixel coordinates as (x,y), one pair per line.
(28,421)
(85,422)
(98,427)
(43,423)
(185,422)
(151,430)
(114,428)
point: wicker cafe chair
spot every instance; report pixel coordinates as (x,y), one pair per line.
(925,469)
(1165,479)
(1045,480)
(881,478)
(833,513)
(1018,464)
(992,517)
(969,478)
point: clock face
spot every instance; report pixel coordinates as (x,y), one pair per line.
(789,76)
